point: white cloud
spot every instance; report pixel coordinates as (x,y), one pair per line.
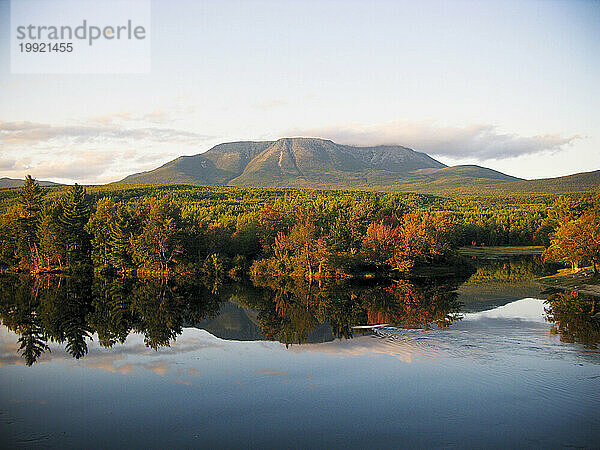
(83,164)
(96,150)
(15,133)
(7,163)
(478,141)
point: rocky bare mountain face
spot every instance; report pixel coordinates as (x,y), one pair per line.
(314,163)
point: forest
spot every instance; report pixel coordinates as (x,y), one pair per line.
(227,231)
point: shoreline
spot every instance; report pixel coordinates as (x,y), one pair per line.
(582,280)
(501,251)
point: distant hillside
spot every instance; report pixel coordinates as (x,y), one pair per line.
(316,163)
(14,182)
(451,179)
(579,182)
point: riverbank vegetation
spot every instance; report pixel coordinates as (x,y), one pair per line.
(292,232)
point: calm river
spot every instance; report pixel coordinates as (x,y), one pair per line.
(475,363)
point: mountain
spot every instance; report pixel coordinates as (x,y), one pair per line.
(315,163)
(14,182)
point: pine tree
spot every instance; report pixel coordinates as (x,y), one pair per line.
(29,203)
(99,228)
(32,342)
(119,236)
(76,213)
(8,238)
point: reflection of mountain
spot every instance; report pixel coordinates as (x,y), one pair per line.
(485,337)
(240,323)
(233,323)
(68,310)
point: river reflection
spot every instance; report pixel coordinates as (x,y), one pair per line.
(69,310)
(187,363)
(576,318)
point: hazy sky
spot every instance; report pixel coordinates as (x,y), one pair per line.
(509,85)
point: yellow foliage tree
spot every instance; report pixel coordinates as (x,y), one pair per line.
(577,242)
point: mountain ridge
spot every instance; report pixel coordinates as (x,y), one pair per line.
(312,162)
(6,182)
(323,164)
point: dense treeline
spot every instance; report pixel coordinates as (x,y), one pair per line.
(221,230)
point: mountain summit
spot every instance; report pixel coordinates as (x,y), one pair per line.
(312,162)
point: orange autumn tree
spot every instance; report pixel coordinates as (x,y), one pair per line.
(417,239)
(591,221)
(380,242)
(423,239)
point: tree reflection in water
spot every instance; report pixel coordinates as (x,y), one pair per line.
(69,310)
(576,318)
(291,310)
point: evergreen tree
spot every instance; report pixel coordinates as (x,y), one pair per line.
(76,213)
(8,239)
(32,341)
(29,203)
(119,237)
(99,228)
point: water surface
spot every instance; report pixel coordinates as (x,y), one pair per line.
(105,363)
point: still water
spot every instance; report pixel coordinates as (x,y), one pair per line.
(476,363)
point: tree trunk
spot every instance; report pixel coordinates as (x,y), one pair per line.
(310,274)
